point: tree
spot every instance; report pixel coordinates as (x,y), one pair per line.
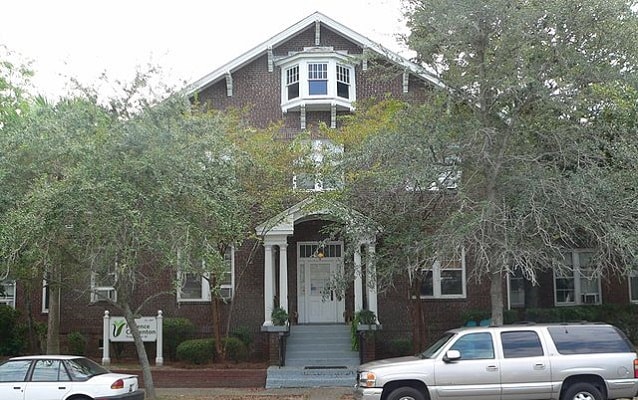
(523,133)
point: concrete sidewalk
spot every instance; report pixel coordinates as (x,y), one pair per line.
(322,393)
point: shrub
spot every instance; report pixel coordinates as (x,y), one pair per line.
(401,347)
(12,333)
(77,343)
(243,333)
(175,331)
(196,351)
(236,350)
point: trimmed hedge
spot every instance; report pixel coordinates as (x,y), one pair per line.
(175,331)
(12,334)
(236,350)
(196,351)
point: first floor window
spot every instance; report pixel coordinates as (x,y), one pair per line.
(633,286)
(103,285)
(445,277)
(45,296)
(577,283)
(195,286)
(8,293)
(516,289)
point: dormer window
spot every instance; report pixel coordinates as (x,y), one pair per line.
(292,82)
(317,79)
(343,81)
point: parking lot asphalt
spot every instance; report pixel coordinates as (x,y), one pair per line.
(340,393)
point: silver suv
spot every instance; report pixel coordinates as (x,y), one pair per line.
(511,362)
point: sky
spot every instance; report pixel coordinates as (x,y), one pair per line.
(186,38)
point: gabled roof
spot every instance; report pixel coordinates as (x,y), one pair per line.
(283,36)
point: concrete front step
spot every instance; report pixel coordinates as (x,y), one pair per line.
(292,377)
(320,345)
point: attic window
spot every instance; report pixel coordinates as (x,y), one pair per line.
(343,81)
(292,82)
(317,79)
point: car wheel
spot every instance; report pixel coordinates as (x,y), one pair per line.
(405,393)
(582,391)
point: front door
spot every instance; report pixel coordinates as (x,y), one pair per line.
(323,304)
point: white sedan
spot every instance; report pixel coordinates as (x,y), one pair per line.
(63,377)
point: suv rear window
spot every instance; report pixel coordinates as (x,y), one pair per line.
(573,339)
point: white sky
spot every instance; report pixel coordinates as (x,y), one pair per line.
(187,38)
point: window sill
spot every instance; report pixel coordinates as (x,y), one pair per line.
(317,103)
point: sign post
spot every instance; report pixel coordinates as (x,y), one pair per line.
(116,329)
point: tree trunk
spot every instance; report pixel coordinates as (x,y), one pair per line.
(53,322)
(142,357)
(496,295)
(217,329)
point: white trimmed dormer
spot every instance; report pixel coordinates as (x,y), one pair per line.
(317,79)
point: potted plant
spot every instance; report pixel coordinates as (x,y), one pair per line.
(279,317)
(364,320)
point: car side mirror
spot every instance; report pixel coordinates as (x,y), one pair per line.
(452,355)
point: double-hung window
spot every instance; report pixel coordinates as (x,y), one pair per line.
(633,286)
(8,293)
(103,285)
(194,286)
(445,278)
(577,283)
(292,82)
(317,79)
(343,81)
(320,170)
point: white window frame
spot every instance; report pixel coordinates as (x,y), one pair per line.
(336,63)
(9,297)
(436,269)
(205,289)
(577,275)
(520,294)
(633,277)
(102,292)
(227,290)
(45,296)
(317,151)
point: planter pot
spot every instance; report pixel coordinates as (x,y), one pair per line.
(275,328)
(369,327)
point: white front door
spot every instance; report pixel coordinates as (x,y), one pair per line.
(320,303)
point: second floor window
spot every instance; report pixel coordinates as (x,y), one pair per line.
(319,172)
(343,81)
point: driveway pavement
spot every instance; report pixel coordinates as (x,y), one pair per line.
(340,393)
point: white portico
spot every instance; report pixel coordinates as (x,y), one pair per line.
(318,264)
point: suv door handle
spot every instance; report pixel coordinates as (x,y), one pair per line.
(491,368)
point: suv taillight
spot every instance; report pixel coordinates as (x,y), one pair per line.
(636,368)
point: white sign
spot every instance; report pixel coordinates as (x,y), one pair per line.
(119,330)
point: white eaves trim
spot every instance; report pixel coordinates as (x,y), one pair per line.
(221,72)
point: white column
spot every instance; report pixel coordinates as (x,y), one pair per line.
(269,290)
(283,276)
(106,359)
(159,358)
(358,280)
(371,284)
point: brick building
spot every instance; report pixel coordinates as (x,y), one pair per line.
(312,73)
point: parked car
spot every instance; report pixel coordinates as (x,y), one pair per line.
(55,377)
(511,362)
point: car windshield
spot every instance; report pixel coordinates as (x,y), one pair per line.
(82,369)
(434,349)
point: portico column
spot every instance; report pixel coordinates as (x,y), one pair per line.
(283,276)
(269,289)
(358,280)
(371,283)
